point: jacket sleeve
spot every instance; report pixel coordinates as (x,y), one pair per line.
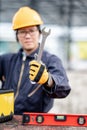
(61,87)
(4,67)
(0,68)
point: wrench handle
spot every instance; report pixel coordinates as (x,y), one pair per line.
(41,47)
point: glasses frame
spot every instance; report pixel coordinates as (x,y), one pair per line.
(23,33)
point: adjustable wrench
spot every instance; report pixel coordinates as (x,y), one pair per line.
(38,57)
(44,36)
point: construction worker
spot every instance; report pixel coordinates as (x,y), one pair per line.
(35,84)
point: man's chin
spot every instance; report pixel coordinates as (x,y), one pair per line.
(29,49)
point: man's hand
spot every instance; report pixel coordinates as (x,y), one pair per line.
(38,72)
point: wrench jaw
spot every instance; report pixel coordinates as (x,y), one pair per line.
(45,33)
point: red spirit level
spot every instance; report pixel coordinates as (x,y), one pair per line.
(54,119)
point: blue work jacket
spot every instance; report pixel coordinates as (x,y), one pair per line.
(42,99)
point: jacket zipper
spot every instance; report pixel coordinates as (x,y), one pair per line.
(20,77)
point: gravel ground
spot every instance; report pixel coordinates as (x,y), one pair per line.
(76,100)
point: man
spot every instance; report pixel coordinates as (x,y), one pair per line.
(35,84)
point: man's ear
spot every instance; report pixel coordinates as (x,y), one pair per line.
(17,36)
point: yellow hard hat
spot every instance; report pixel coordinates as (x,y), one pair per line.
(24,17)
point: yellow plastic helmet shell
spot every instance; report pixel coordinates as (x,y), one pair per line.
(24,17)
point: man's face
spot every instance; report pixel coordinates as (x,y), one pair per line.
(29,38)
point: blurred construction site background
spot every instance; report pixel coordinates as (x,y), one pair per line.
(67,20)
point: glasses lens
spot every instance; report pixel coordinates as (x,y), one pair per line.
(24,33)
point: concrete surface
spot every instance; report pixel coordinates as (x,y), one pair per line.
(76,101)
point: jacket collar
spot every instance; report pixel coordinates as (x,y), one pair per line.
(31,56)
